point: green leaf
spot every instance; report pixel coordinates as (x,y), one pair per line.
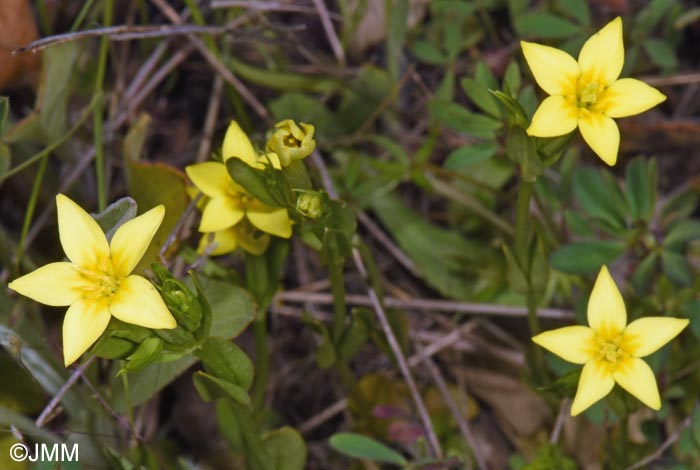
(462,120)
(480,96)
(521,148)
(682,232)
(483,75)
(146,353)
(254,181)
(4,111)
(645,269)
(115,215)
(576,10)
(54,90)
(212,388)
(586,257)
(640,182)
(5,158)
(145,383)
(517,279)
(354,336)
(470,154)
(545,25)
(283,449)
(19,391)
(600,197)
(363,447)
(325,355)
(428,52)
(232,307)
(660,53)
(676,267)
(440,255)
(225,360)
(151,184)
(262,272)
(695,425)
(518,115)
(512,78)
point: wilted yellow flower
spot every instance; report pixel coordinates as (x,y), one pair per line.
(290,142)
(610,349)
(229,203)
(242,235)
(587,94)
(97,282)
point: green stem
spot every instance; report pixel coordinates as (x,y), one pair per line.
(54,145)
(335,272)
(99,110)
(29,213)
(262,363)
(522,224)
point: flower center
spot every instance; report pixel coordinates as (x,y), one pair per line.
(609,350)
(291,141)
(588,95)
(99,282)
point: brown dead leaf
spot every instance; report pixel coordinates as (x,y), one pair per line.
(520,410)
(17,28)
(371,29)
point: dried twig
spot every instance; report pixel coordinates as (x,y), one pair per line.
(77,373)
(330,31)
(271,6)
(456,413)
(215,62)
(664,445)
(427,351)
(384,322)
(210,119)
(124,33)
(426,304)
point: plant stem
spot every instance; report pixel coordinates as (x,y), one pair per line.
(262,363)
(99,111)
(522,226)
(335,272)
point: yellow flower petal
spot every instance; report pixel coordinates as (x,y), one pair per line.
(645,335)
(82,239)
(210,177)
(571,343)
(272,220)
(220,213)
(56,284)
(607,315)
(237,144)
(601,134)
(225,240)
(554,70)
(627,97)
(137,301)
(556,116)
(84,323)
(635,376)
(252,240)
(603,54)
(596,381)
(131,240)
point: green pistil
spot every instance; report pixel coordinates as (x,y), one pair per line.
(588,95)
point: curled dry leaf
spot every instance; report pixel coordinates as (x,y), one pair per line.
(17,28)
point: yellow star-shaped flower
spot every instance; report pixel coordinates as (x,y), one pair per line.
(610,349)
(587,94)
(96,282)
(229,203)
(242,235)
